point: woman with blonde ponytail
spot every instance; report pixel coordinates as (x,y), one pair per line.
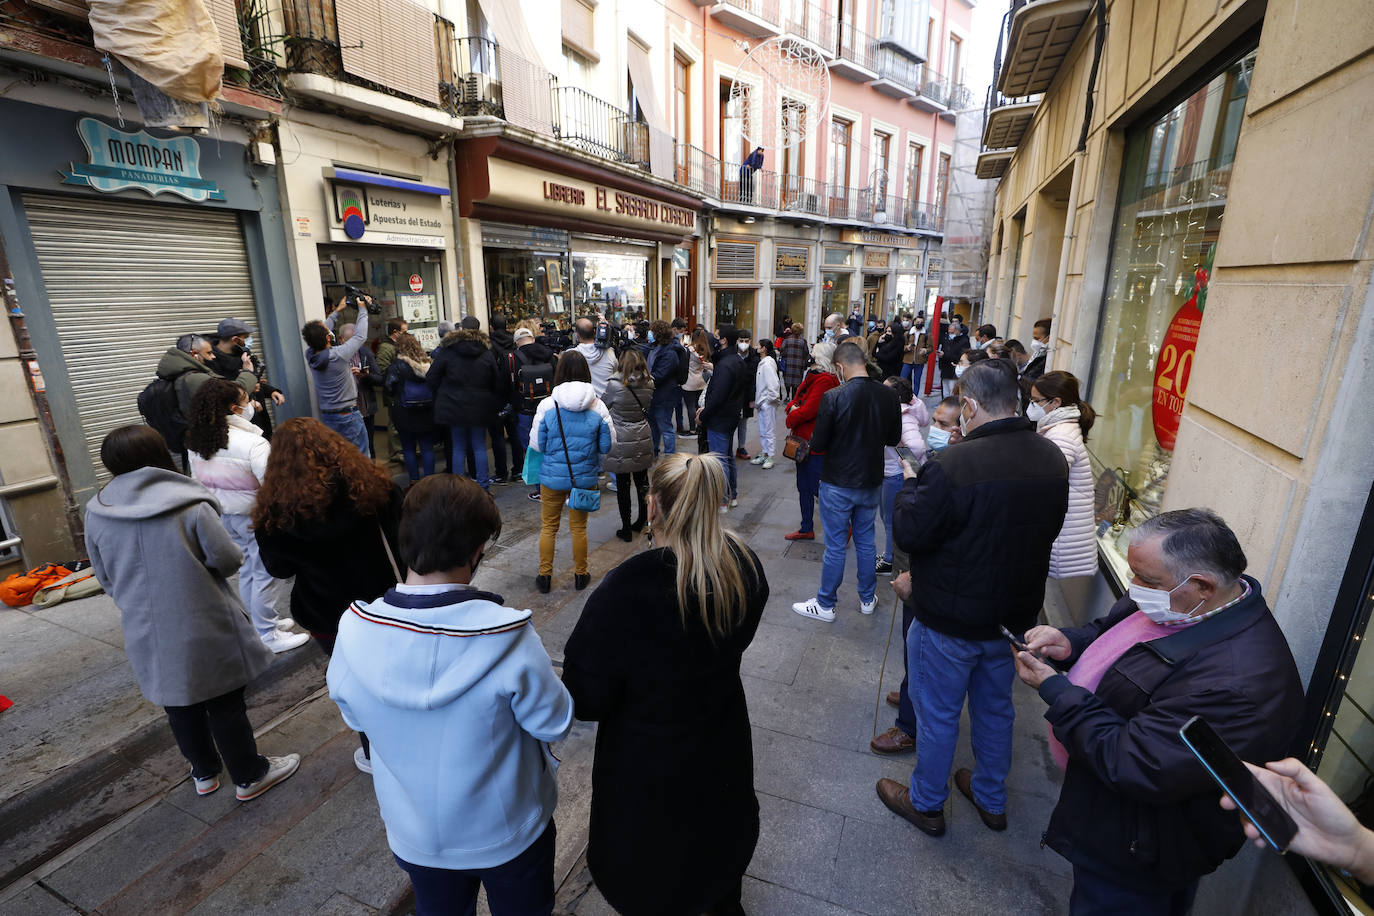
(655,659)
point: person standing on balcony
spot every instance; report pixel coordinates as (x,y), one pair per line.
(746,174)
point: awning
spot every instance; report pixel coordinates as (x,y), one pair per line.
(660,140)
(383,181)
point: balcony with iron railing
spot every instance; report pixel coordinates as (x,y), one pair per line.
(855,54)
(755,18)
(899,76)
(595,126)
(811,23)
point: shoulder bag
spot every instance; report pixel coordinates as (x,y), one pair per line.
(581,499)
(796,448)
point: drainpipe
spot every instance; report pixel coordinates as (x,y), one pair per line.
(1061,278)
(460,246)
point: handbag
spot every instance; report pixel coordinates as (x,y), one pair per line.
(534,460)
(796,448)
(581,499)
(391,557)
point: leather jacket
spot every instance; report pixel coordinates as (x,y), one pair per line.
(855,421)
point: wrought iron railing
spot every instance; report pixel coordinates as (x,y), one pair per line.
(767,10)
(898,68)
(593,125)
(696,169)
(477,87)
(811,23)
(856,46)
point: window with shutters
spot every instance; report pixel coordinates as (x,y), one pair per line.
(225,13)
(737,260)
(579,31)
(390,43)
(914,153)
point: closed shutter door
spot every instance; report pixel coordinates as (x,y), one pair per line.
(124,281)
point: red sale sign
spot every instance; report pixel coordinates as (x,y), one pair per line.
(417,283)
(1174,364)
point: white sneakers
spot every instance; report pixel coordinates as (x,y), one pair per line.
(283,641)
(767,462)
(278,769)
(758,459)
(362,762)
(285,623)
(866,607)
(812,608)
(205,786)
(734,503)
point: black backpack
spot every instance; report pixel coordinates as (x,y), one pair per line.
(534,382)
(157,402)
(684,363)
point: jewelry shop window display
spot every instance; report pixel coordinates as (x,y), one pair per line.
(1173,194)
(528,284)
(615,285)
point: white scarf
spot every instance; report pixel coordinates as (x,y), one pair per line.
(1057,416)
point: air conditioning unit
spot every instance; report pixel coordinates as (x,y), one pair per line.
(478,89)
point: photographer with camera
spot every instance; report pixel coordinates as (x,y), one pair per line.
(595,341)
(336,389)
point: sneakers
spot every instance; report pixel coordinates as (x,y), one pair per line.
(866,607)
(278,769)
(285,623)
(800,536)
(610,482)
(282,641)
(534,495)
(758,459)
(734,502)
(207,785)
(362,761)
(883,568)
(741,455)
(767,463)
(897,798)
(724,505)
(963,781)
(492,482)
(812,608)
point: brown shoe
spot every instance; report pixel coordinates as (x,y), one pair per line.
(894,698)
(963,781)
(893,741)
(897,798)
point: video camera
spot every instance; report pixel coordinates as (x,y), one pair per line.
(353,294)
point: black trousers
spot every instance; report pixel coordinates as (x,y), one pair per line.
(326,641)
(523,886)
(622,494)
(219,724)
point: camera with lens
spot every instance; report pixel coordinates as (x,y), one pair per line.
(354,295)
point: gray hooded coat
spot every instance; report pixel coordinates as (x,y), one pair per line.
(633,449)
(159,549)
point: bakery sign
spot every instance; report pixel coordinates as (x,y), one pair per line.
(119,161)
(791,262)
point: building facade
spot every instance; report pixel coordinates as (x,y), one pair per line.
(1185,192)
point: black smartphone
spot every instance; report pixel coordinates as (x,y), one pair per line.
(1253,799)
(908,456)
(1019,645)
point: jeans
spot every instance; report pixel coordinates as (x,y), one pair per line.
(906,712)
(551,514)
(945,670)
(661,425)
(410,443)
(843,508)
(768,418)
(349,425)
(808,486)
(720,443)
(890,487)
(257,588)
(1098,895)
(523,423)
(622,495)
(521,887)
(219,723)
(472,440)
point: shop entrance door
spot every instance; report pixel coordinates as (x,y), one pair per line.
(873,298)
(682,300)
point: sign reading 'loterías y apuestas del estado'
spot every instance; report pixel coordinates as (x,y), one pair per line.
(119,161)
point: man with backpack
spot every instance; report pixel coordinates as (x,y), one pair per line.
(166,401)
(531,367)
(668,364)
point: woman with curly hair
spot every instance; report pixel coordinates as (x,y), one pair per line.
(229,457)
(327,515)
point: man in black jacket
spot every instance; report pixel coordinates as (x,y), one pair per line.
(855,421)
(721,411)
(953,342)
(978,522)
(1138,815)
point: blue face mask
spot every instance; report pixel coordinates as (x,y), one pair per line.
(829,333)
(248,342)
(937,439)
(651,337)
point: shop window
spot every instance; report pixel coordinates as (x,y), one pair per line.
(735,307)
(1173,195)
(838,257)
(405,286)
(835,292)
(527,284)
(737,260)
(788,303)
(612,284)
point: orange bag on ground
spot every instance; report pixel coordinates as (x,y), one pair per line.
(18,589)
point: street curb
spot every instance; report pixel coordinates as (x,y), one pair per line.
(110,782)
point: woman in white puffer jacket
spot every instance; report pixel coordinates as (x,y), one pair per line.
(1063,418)
(229,457)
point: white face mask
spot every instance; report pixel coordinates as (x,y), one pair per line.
(959,371)
(1035,413)
(247,411)
(963,423)
(937,439)
(1154,602)
(743,346)
(1037,347)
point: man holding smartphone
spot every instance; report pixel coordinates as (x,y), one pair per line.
(1137,815)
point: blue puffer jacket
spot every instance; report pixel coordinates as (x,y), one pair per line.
(588,435)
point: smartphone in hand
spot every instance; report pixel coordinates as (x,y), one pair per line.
(1019,645)
(1254,801)
(908,456)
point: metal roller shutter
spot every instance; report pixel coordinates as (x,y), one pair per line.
(124,281)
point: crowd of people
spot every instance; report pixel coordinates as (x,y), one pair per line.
(984,494)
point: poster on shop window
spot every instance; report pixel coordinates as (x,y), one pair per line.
(1174,364)
(417,309)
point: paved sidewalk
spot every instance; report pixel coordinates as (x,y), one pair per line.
(315,845)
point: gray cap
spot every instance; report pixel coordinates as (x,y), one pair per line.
(232,327)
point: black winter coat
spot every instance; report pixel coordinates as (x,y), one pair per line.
(671,837)
(470,387)
(951,348)
(721,409)
(889,352)
(978,521)
(418,420)
(1136,805)
(855,421)
(336,560)
(748,383)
